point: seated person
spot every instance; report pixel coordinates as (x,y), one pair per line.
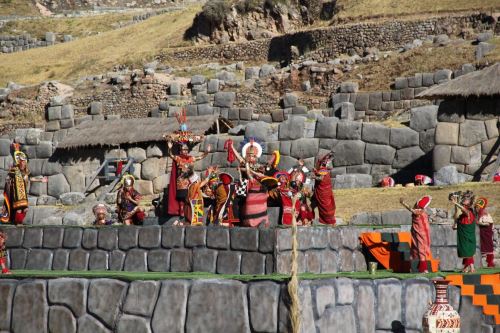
(127,202)
(100,212)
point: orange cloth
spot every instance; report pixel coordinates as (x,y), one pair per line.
(388,258)
(380,250)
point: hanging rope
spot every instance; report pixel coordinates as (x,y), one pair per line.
(293,284)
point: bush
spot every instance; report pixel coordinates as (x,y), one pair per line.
(214,11)
(246,6)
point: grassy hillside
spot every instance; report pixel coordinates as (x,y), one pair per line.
(18,7)
(380,75)
(75,26)
(95,54)
(380,8)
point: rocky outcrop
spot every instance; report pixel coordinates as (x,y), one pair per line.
(220,22)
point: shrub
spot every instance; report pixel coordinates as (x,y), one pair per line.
(246,6)
(214,11)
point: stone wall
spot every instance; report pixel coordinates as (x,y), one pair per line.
(16,43)
(73,172)
(467,135)
(380,104)
(100,305)
(208,249)
(370,151)
(334,40)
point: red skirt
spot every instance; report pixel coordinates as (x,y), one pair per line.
(324,200)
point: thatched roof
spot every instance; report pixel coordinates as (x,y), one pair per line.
(483,83)
(127,131)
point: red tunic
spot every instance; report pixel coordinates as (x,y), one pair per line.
(420,236)
(286,204)
(179,163)
(323,198)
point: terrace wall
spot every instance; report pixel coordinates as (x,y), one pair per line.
(207,249)
(467,135)
(216,305)
(334,40)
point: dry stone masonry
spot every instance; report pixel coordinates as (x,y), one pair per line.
(380,104)
(73,305)
(334,40)
(211,249)
(466,134)
(16,43)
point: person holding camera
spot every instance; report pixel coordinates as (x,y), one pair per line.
(466,229)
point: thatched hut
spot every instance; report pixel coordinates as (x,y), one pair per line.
(478,84)
(95,145)
(120,132)
(467,134)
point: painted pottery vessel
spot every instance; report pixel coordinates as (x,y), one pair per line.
(440,317)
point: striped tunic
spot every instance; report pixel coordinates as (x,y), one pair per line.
(255,210)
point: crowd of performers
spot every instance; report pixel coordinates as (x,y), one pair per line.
(244,202)
(469,212)
(220,199)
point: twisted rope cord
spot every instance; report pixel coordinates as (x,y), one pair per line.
(293,284)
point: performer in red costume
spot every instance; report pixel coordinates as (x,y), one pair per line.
(323,191)
(182,166)
(420,233)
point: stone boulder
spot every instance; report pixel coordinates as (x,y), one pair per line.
(252,73)
(353,180)
(484,36)
(224,99)
(349,130)
(197,80)
(57,185)
(150,168)
(96,108)
(375,133)
(442,75)
(304,148)
(349,152)
(406,156)
(326,127)
(110,290)
(292,129)
(379,154)
(472,132)
(483,49)
(72,198)
(447,133)
(349,87)
(423,117)
(442,40)
(138,154)
(228,300)
(403,137)
(447,175)
(73,218)
(289,100)
(266,70)
(260,130)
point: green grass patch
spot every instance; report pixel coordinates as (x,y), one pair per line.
(133,276)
